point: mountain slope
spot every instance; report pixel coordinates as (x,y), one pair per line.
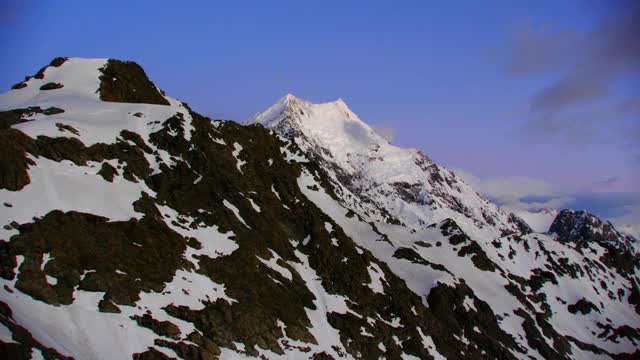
(500,244)
(134,227)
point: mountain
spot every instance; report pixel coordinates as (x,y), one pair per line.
(583,226)
(133,227)
(391,184)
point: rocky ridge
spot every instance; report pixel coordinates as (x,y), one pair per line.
(134,227)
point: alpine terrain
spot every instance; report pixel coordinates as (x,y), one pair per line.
(136,228)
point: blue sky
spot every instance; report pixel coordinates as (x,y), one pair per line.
(497,88)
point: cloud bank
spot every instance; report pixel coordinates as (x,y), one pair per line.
(521,194)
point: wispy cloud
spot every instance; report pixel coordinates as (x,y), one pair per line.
(629,222)
(587,62)
(590,97)
(526,194)
(610,183)
(517,192)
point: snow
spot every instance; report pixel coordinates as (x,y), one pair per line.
(396,322)
(237,148)
(198,288)
(6,335)
(51,280)
(214,243)
(272,263)
(326,336)
(218,141)
(468,304)
(96,121)
(377,277)
(419,278)
(235,211)
(539,221)
(291,156)
(84,273)
(409,357)
(36,354)
(489,286)
(187,126)
(273,190)
(579,354)
(103,126)
(46,257)
(364,332)
(239,345)
(80,78)
(254,205)
(79,330)
(56,185)
(427,341)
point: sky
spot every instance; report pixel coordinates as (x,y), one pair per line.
(539,99)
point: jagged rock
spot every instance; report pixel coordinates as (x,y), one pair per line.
(583,306)
(126,81)
(583,226)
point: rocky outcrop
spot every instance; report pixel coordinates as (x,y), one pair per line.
(583,226)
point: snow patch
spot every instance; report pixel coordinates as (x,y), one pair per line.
(235,211)
(237,148)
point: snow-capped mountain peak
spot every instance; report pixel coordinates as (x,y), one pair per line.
(393,184)
(67,92)
(61,78)
(333,123)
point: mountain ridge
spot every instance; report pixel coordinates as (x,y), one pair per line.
(267,248)
(283,117)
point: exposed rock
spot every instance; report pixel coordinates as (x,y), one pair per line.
(583,306)
(51,86)
(580,226)
(126,81)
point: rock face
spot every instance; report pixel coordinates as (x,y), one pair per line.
(126,81)
(582,225)
(133,227)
